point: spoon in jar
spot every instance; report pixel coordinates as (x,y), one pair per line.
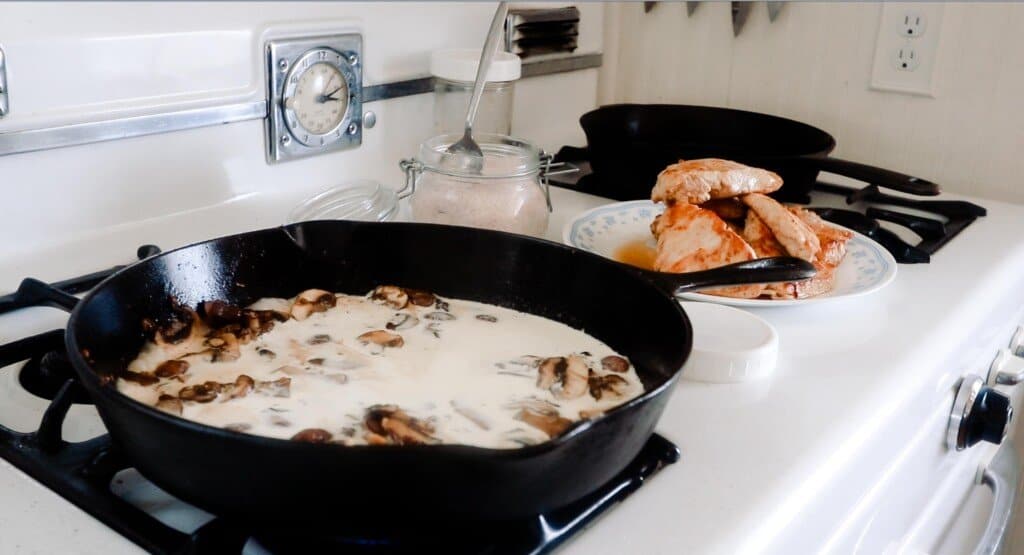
(465,155)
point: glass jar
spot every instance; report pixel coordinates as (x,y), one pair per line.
(493,116)
(360,200)
(509,194)
(454,72)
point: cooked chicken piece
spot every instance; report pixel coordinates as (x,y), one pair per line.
(697,181)
(727,208)
(691,238)
(832,239)
(760,238)
(833,248)
(795,236)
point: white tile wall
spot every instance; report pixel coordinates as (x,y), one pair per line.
(814,64)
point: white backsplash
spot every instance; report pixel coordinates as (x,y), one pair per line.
(71,63)
(814,64)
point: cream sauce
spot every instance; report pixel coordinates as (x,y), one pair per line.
(444,370)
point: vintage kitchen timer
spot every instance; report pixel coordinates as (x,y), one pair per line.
(315,96)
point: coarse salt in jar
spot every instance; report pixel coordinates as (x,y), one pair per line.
(509,194)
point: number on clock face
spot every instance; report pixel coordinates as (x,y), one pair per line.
(320,99)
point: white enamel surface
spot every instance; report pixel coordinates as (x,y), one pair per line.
(866,268)
(810,458)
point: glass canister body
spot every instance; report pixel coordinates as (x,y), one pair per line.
(508,195)
(493,116)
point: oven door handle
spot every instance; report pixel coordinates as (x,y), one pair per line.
(1002,476)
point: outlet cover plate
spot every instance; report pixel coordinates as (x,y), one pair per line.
(886,72)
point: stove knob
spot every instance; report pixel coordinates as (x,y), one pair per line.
(979,414)
(1017,342)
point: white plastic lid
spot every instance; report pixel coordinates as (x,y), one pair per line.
(729,345)
(459,64)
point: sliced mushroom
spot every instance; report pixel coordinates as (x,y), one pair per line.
(551,424)
(312,301)
(281,387)
(183,324)
(220,313)
(382,338)
(535,405)
(376,439)
(551,369)
(242,386)
(313,435)
(291,370)
(393,423)
(608,385)
(614,363)
(337,364)
(391,295)
(225,348)
(574,380)
(420,298)
(319,339)
(169,404)
(200,393)
(171,368)
(471,414)
(141,378)
(402,321)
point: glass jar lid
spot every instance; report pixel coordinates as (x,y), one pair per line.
(504,156)
(361,200)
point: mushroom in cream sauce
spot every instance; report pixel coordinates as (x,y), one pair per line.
(395,367)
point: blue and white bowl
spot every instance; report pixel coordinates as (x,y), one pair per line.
(867,267)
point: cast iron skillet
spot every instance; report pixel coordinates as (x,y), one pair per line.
(278,481)
(632,143)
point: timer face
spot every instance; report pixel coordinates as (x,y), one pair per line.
(317,97)
(321,98)
(314,95)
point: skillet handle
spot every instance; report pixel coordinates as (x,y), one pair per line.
(877,176)
(762,270)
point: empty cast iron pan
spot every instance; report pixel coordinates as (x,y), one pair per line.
(629,144)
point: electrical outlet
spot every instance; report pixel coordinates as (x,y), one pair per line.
(906,48)
(906,58)
(914,23)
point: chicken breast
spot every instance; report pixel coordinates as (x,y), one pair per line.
(833,248)
(691,238)
(795,236)
(697,181)
(760,238)
(831,238)
(727,208)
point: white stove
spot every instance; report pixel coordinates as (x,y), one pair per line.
(842,450)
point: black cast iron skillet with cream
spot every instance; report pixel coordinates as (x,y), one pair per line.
(274,481)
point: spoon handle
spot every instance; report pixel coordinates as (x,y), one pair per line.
(486,55)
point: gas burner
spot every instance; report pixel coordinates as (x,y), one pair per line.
(89,472)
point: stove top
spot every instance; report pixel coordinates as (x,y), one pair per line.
(933,222)
(92,473)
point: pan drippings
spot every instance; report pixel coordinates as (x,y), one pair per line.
(398,366)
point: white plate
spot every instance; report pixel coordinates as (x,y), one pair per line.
(867,267)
